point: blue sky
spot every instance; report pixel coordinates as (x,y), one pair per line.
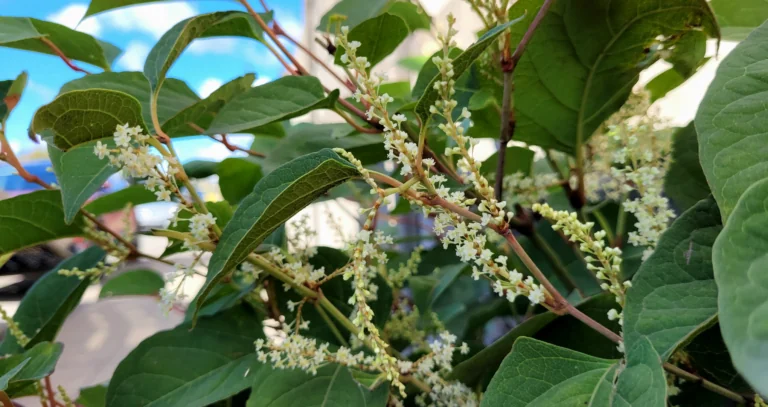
(205,65)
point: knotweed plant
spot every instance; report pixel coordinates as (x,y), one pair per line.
(598,254)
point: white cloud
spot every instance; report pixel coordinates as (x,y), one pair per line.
(262,80)
(213,46)
(71,15)
(41,90)
(289,23)
(134,56)
(260,56)
(208,86)
(154,19)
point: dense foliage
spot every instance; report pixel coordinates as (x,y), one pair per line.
(599,258)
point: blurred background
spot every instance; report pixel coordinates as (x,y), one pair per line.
(107,329)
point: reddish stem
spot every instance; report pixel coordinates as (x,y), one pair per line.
(61,55)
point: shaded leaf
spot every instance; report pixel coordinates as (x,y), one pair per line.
(133,282)
(94,396)
(134,194)
(333,385)
(581,65)
(33,218)
(10,93)
(277,197)
(237,177)
(685,182)
(518,159)
(378,36)
(47,304)
(35,364)
(413,15)
(352,12)
(641,382)
(738,19)
(187,367)
(200,168)
(81,116)
(283,99)
(26,33)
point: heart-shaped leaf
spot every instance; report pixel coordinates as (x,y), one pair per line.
(378,36)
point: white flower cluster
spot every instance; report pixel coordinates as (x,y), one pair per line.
(200,228)
(601,259)
(173,291)
(301,271)
(134,157)
(524,190)
(301,236)
(396,142)
(13,328)
(431,368)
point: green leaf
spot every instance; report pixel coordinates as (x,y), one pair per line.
(413,15)
(739,261)
(429,71)
(133,282)
(30,219)
(641,382)
(279,100)
(187,367)
(738,19)
(306,138)
(518,159)
(460,64)
(26,33)
(200,168)
(354,12)
(47,304)
(81,116)
(100,6)
(585,58)
(663,83)
(277,197)
(203,112)
(673,295)
(80,174)
(536,373)
(333,385)
(94,396)
(379,37)
(237,177)
(708,356)
(732,122)
(34,364)
(10,93)
(174,41)
(134,194)
(174,96)
(685,182)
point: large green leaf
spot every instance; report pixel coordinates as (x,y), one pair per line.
(80,173)
(740,272)
(94,396)
(133,282)
(674,295)
(134,195)
(517,159)
(47,304)
(332,386)
(353,13)
(203,112)
(460,64)
(30,219)
(279,100)
(685,182)
(26,33)
(21,370)
(732,122)
(277,197)
(81,116)
(174,41)
(378,36)
(174,96)
(187,367)
(10,93)
(536,373)
(738,19)
(237,177)
(641,382)
(413,15)
(100,6)
(586,55)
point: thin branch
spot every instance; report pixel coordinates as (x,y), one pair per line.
(507,131)
(61,55)
(225,142)
(693,378)
(271,34)
(529,33)
(279,31)
(352,123)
